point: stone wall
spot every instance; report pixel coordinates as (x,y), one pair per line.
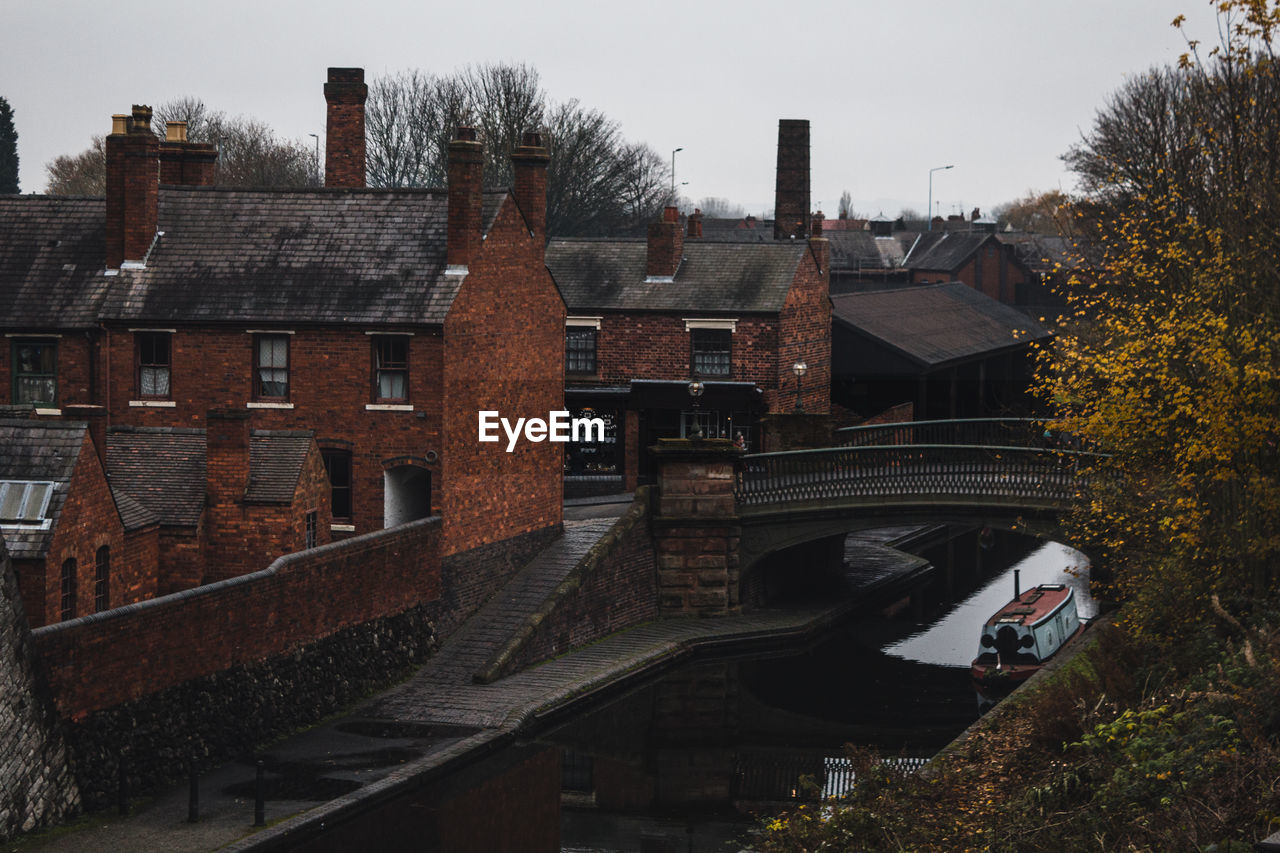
(37,788)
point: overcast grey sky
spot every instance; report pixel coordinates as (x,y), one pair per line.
(999,88)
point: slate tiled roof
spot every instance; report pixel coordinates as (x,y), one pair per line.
(857,250)
(52,258)
(295,256)
(38,450)
(133,515)
(275,464)
(944,250)
(609,275)
(936,324)
(162,468)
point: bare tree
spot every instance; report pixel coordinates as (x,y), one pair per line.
(846,206)
(250,153)
(720,208)
(598,183)
(79,174)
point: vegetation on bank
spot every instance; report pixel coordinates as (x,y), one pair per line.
(1165,733)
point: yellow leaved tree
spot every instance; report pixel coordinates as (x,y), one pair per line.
(1170,358)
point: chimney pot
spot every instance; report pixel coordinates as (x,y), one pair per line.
(175,131)
(141,119)
(671,214)
(120,123)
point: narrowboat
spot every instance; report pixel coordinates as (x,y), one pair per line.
(1023,635)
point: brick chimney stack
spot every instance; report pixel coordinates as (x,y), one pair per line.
(345,93)
(666,245)
(186,163)
(133,187)
(791,199)
(695,224)
(529,163)
(815,229)
(227,456)
(466,170)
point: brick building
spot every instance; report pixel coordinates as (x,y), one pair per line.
(646,317)
(380,321)
(978,258)
(77,548)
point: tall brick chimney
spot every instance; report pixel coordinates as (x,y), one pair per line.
(466,170)
(133,187)
(666,245)
(345,94)
(529,162)
(227,455)
(791,199)
(186,163)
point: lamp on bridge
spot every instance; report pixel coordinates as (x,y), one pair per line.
(799,369)
(695,391)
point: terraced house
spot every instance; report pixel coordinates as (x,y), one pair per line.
(376,322)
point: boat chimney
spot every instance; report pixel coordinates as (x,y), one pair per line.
(1017,586)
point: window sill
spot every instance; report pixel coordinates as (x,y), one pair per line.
(268,405)
(48,412)
(342,528)
(388,407)
(153,404)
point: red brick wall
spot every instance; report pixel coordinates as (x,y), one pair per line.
(656,346)
(74,353)
(182,563)
(95,664)
(88,521)
(504,339)
(805,335)
(330,387)
(344,161)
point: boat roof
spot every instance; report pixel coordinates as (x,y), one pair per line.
(1032,605)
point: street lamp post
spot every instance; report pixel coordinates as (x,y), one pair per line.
(928,213)
(695,391)
(673,174)
(316,137)
(799,369)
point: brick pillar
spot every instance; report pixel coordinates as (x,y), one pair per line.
(344,156)
(696,527)
(791,198)
(529,164)
(466,170)
(666,245)
(227,478)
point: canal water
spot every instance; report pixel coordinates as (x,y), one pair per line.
(692,758)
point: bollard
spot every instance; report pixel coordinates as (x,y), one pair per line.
(122,790)
(193,799)
(259,798)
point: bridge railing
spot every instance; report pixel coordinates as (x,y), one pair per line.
(984,432)
(1029,476)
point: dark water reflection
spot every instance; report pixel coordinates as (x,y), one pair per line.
(689,760)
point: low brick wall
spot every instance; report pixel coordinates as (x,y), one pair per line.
(613,587)
(226,715)
(122,655)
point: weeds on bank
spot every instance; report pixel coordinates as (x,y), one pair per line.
(1137,745)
